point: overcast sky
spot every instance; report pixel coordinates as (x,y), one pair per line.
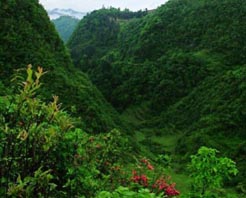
(89,5)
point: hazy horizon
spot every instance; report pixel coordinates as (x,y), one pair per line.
(85,6)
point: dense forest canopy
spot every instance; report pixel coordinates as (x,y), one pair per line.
(171,31)
(167,97)
(97,33)
(28,37)
(183,65)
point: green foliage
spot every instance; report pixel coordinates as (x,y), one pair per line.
(164,159)
(146,181)
(184,63)
(192,25)
(65,25)
(157,58)
(209,171)
(124,192)
(2,89)
(96,35)
(31,132)
(40,182)
(27,36)
(43,155)
(95,158)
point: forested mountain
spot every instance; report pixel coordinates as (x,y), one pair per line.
(184,63)
(28,37)
(97,34)
(176,77)
(65,25)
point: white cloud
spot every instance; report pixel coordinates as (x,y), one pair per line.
(86,5)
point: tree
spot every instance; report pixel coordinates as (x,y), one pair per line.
(209,171)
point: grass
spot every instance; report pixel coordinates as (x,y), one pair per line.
(167,141)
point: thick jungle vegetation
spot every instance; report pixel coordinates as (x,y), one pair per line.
(168,106)
(177,71)
(28,37)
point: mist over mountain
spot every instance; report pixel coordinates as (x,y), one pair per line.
(127,104)
(56,13)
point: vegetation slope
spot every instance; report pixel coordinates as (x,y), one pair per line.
(184,64)
(44,152)
(28,37)
(65,25)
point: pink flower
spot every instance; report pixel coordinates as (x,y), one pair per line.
(145,161)
(150,167)
(140,179)
(171,191)
(160,184)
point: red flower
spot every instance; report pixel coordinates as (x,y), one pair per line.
(144,180)
(148,164)
(171,191)
(140,179)
(150,167)
(145,161)
(160,184)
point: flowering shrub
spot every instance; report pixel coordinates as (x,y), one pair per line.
(145,177)
(140,179)
(42,153)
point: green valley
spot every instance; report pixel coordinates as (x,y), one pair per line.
(177,71)
(65,25)
(150,103)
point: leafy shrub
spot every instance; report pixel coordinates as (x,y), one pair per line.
(42,154)
(124,192)
(31,132)
(209,171)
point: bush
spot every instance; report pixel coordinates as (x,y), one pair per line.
(209,171)
(43,155)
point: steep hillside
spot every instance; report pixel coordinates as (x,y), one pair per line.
(184,62)
(149,45)
(216,26)
(94,39)
(28,37)
(65,25)
(96,35)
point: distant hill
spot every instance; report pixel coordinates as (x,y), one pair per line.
(56,13)
(65,25)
